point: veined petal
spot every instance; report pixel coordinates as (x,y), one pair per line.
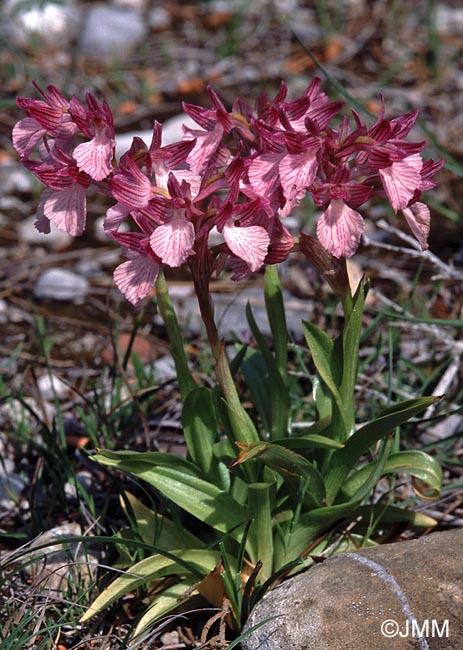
(66,208)
(94,157)
(401,179)
(172,242)
(131,187)
(263,173)
(340,228)
(136,278)
(26,134)
(297,172)
(249,243)
(115,216)
(419,220)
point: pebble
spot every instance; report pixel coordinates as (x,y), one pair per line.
(54,23)
(51,386)
(11,485)
(56,239)
(59,567)
(61,284)
(111,32)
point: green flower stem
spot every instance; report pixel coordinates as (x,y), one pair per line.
(169,317)
(243,427)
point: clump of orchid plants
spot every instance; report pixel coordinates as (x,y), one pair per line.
(254,498)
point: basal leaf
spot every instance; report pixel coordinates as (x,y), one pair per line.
(200,428)
(287,463)
(159,529)
(345,460)
(195,562)
(167,601)
(277,318)
(200,498)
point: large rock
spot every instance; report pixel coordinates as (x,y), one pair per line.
(398,596)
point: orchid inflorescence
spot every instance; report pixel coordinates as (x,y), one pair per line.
(240,173)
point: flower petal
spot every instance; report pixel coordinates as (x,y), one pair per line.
(66,208)
(401,179)
(248,243)
(340,228)
(136,278)
(172,242)
(95,156)
(419,221)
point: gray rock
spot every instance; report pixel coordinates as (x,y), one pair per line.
(11,485)
(59,565)
(61,284)
(403,596)
(111,32)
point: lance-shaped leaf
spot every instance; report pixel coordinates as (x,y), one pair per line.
(169,599)
(194,562)
(416,463)
(200,428)
(158,529)
(276,406)
(200,498)
(288,464)
(274,306)
(261,531)
(380,514)
(345,460)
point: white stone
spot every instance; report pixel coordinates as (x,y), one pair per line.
(55,24)
(51,386)
(61,284)
(56,239)
(111,32)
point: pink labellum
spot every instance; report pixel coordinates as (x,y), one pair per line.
(65,208)
(136,278)
(263,173)
(297,171)
(173,241)
(401,179)
(95,157)
(249,243)
(340,228)
(115,216)
(26,134)
(419,221)
(130,186)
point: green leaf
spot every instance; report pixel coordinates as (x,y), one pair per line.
(168,600)
(296,538)
(184,562)
(350,351)
(276,402)
(243,427)
(158,529)
(310,441)
(277,318)
(324,354)
(288,464)
(345,460)
(200,498)
(200,428)
(261,532)
(416,463)
(384,514)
